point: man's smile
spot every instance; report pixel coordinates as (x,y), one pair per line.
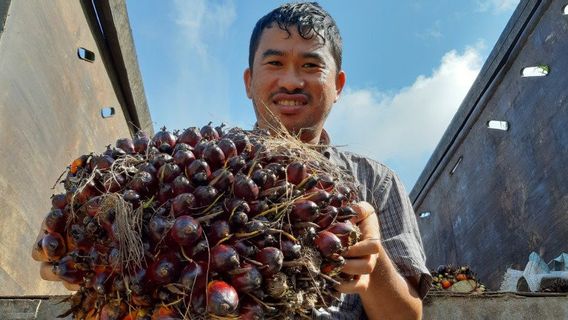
(289,104)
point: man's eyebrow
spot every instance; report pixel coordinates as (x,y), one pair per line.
(272,52)
(313,55)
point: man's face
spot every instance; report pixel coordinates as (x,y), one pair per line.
(293,80)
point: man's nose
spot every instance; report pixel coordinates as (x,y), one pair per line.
(291,80)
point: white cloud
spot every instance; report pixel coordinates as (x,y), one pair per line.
(197,88)
(201,19)
(496,6)
(404,126)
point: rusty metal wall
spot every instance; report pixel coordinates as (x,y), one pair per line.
(50,112)
(508,195)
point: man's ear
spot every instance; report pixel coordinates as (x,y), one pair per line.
(247,78)
(339,83)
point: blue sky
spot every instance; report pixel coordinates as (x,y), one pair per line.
(409,65)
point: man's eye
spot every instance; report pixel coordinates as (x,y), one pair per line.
(274,63)
(310,65)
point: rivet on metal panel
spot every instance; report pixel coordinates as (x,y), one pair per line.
(456,165)
(85,54)
(107,112)
(498,125)
(537,71)
(425,214)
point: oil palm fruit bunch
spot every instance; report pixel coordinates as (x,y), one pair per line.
(456,279)
(201,223)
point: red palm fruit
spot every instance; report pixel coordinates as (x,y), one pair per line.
(290,249)
(93,206)
(78,164)
(222,298)
(193,276)
(328,244)
(233,205)
(224,258)
(82,195)
(251,166)
(67,270)
(165,269)
(159,159)
(183,158)
(53,246)
(164,140)
(237,220)
(101,162)
(190,136)
(182,204)
(144,183)
(158,227)
(59,201)
(220,130)
(198,172)
(346,213)
(77,237)
(326,182)
(218,230)
(141,301)
(228,147)
(147,167)
(332,267)
(200,148)
(345,231)
(208,132)
(168,172)
(260,177)
(325,218)
(113,310)
(242,142)
(113,182)
(236,164)
(265,240)
(244,248)
(138,282)
(278,169)
(251,310)
(126,144)
(185,230)
(131,197)
(304,210)
(338,200)
(296,172)
(165,313)
(140,142)
(222,179)
(182,185)
(214,156)
(205,195)
(245,188)
(165,193)
(55,221)
(199,250)
(271,259)
(319,196)
(102,283)
(246,279)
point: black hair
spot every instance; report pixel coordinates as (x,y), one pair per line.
(309,18)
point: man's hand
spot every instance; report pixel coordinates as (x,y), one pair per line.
(361,258)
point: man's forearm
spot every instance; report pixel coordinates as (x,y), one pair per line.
(389,295)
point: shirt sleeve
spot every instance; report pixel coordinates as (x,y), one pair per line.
(399,230)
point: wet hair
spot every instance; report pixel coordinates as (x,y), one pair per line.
(310,20)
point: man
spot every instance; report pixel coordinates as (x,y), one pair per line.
(294,78)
